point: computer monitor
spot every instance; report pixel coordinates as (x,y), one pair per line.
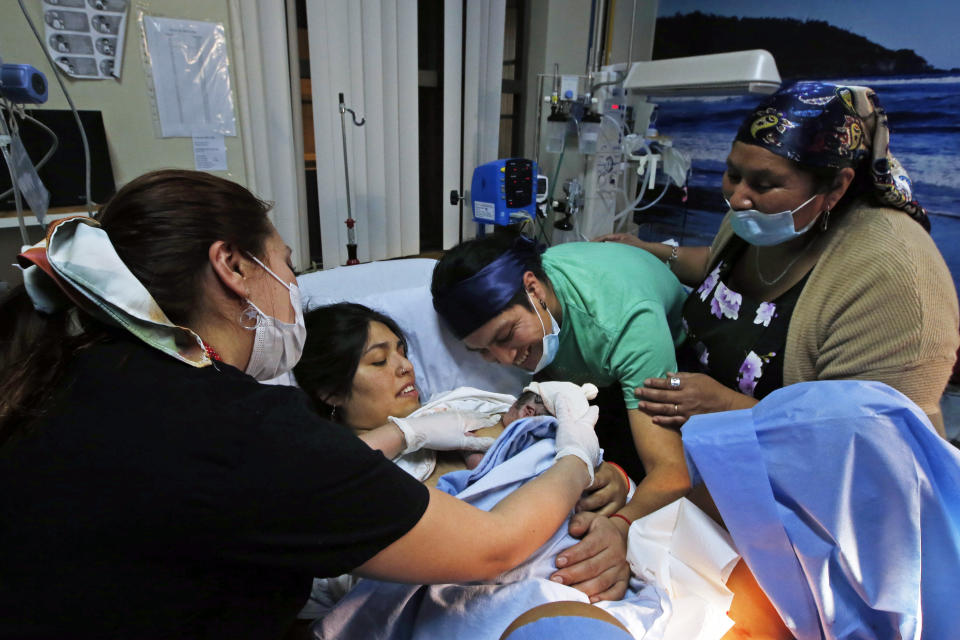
(63,175)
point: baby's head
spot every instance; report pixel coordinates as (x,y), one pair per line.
(528,404)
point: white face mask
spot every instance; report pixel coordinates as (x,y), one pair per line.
(767,229)
(277,345)
(550,341)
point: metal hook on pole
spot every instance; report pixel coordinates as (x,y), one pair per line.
(344,108)
(350,222)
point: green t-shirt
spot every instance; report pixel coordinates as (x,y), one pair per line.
(621,315)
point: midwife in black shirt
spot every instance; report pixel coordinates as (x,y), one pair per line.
(152,488)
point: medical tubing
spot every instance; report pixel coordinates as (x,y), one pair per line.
(655,200)
(621,128)
(593,88)
(538,221)
(622,134)
(630,207)
(13,181)
(46,156)
(73,108)
(623,184)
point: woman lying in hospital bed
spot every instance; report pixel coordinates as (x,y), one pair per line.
(355,367)
(355,357)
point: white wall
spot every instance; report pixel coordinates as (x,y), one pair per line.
(127,112)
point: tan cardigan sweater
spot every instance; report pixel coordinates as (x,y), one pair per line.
(879,305)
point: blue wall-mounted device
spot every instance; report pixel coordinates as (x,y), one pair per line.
(22,83)
(504,191)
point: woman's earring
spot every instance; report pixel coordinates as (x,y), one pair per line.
(333,412)
(823,220)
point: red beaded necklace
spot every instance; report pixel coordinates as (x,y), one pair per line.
(211,351)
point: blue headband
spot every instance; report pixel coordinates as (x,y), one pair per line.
(471,303)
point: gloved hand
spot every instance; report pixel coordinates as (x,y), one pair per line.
(575,419)
(576,396)
(575,434)
(445,431)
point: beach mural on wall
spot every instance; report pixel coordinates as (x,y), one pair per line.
(911,58)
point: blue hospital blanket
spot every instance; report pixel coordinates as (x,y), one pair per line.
(845,504)
(378,610)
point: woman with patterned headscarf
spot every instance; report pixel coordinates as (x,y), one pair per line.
(822,269)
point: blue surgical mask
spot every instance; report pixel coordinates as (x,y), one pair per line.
(767,229)
(551,341)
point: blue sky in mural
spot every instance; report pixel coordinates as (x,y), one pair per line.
(930,24)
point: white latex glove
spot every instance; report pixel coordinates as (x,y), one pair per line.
(445,431)
(576,396)
(575,433)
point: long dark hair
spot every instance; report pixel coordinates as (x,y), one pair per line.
(336,335)
(161,225)
(467,258)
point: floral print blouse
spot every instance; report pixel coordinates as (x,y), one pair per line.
(736,340)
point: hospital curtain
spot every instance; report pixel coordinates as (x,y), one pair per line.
(367,50)
(274,165)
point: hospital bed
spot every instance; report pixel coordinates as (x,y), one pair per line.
(840,495)
(401,290)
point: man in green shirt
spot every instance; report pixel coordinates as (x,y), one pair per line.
(585,312)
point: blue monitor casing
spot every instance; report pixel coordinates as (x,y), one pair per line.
(504,191)
(21,83)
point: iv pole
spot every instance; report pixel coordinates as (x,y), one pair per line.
(350,222)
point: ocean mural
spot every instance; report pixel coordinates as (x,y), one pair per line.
(922,101)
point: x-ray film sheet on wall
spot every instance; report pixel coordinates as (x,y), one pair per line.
(191,77)
(85,37)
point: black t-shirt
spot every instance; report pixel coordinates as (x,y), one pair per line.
(157,500)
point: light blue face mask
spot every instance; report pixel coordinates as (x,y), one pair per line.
(768,229)
(551,341)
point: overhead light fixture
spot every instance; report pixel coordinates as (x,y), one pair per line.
(733,73)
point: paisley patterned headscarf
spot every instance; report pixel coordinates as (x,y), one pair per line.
(817,124)
(76,263)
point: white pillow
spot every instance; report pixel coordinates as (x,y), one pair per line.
(401,290)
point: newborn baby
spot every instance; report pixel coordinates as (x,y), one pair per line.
(500,408)
(526,405)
